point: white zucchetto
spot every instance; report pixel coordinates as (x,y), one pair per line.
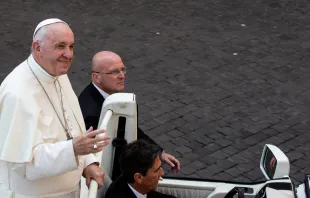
(47,22)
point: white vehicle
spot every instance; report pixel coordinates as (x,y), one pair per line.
(274,163)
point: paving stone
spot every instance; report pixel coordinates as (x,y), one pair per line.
(213,147)
(228,110)
(219,155)
(206,174)
(184,161)
(180,141)
(255,138)
(203,151)
(254,174)
(223,176)
(224,142)
(225,130)
(151,124)
(226,163)
(240,144)
(230,150)
(203,139)
(183,149)
(188,127)
(231,119)
(163,138)
(286,136)
(274,140)
(194,145)
(168,146)
(175,133)
(216,135)
(191,156)
(243,179)
(234,171)
(198,165)
(246,154)
(303,149)
(187,170)
(181,111)
(294,169)
(215,169)
(254,129)
(178,122)
(161,129)
(236,126)
(294,155)
(187,100)
(270,132)
(238,159)
(156,112)
(167,117)
(301,127)
(208,159)
(143,127)
(189,117)
(146,117)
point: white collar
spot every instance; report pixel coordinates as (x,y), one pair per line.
(103,93)
(39,71)
(138,195)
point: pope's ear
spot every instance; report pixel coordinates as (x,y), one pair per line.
(35,46)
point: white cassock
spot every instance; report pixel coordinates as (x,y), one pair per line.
(36,159)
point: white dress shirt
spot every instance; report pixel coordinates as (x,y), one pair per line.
(138,195)
(103,93)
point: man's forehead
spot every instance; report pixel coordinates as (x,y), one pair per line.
(61,40)
(110,65)
(60,33)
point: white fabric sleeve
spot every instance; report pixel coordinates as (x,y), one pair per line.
(52,159)
(89,159)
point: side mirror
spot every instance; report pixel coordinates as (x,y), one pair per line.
(274,163)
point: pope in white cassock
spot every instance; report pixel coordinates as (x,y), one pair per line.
(44,149)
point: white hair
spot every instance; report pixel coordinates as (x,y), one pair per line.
(40,35)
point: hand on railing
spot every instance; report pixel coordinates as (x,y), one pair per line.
(93,171)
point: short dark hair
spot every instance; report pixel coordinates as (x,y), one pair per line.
(137,157)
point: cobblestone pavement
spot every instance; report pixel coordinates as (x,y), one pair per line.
(215,79)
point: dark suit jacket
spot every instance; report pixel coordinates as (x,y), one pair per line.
(91,103)
(120,189)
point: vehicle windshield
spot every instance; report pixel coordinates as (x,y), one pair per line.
(214,80)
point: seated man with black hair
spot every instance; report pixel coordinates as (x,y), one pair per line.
(141,170)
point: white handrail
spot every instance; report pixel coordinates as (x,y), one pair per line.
(93,188)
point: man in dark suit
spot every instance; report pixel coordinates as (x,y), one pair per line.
(108,77)
(141,170)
